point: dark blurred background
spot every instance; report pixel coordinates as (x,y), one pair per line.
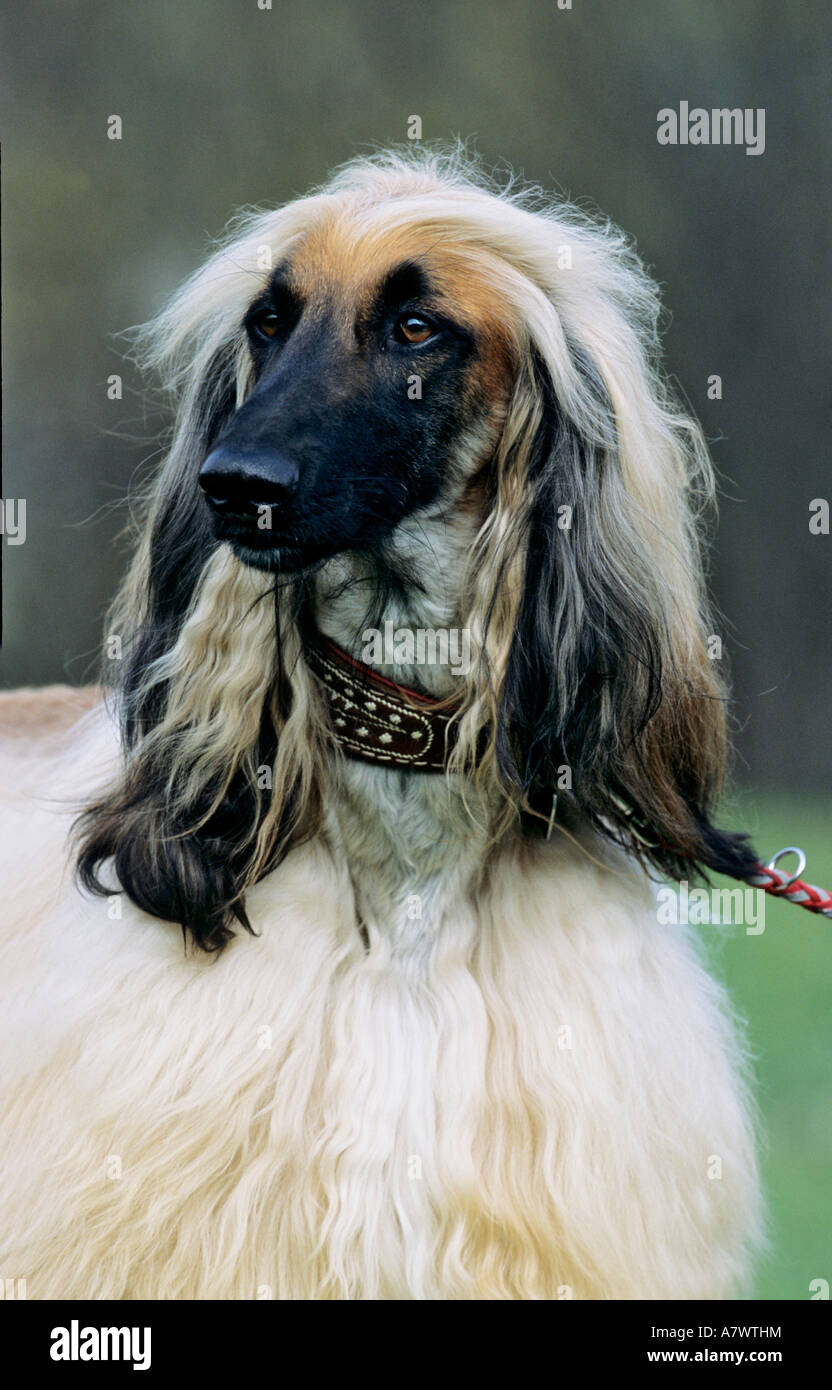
(223,104)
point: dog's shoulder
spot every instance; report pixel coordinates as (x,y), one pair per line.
(32,719)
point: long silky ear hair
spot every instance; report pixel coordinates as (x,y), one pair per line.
(586,589)
(222,727)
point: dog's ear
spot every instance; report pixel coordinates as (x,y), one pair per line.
(176,543)
(197,349)
(209,677)
(607,695)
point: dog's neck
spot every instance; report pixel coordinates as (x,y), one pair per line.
(428,561)
(411,843)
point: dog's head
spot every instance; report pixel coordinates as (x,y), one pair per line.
(376,371)
(404,340)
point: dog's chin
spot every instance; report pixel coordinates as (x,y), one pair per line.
(278,559)
(293,552)
(268,551)
(285,554)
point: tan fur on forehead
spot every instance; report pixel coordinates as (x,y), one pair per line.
(344,263)
(342,254)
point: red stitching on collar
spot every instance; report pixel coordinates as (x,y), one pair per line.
(371,677)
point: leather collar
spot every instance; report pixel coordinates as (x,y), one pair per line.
(378,721)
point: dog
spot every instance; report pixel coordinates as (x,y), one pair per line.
(349,982)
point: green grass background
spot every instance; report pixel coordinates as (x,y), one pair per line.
(781,981)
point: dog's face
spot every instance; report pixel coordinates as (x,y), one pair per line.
(376,373)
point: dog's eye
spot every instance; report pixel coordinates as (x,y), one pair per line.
(413,329)
(264,324)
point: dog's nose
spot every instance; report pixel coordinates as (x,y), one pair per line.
(241,482)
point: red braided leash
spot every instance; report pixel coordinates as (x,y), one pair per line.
(766,876)
(791,887)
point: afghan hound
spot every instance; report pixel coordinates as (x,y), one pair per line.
(426,1036)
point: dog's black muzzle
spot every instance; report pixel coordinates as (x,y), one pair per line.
(327,454)
(251,480)
(246,487)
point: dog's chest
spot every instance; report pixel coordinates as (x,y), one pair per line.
(397,1099)
(308,1117)
(393,1117)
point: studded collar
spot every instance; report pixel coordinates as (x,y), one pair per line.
(378,721)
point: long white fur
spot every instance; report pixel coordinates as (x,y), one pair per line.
(446,1067)
(536,1096)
